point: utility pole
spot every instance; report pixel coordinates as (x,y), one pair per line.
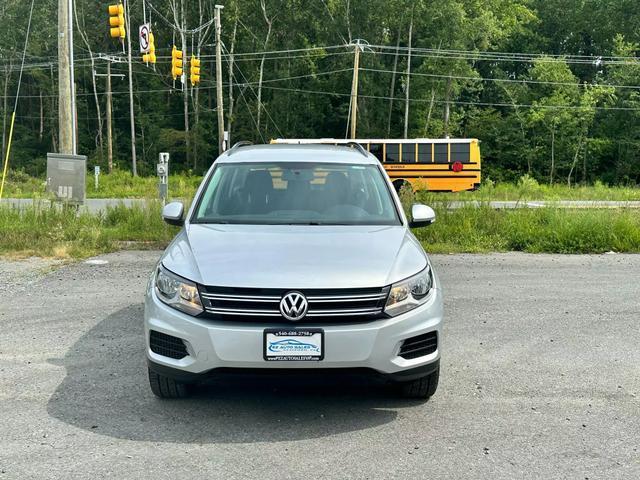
(109,59)
(66,87)
(219,106)
(354,89)
(109,132)
(406,98)
(134,167)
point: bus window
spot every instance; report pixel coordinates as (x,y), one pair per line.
(393,152)
(408,152)
(440,153)
(424,152)
(460,152)
(376,150)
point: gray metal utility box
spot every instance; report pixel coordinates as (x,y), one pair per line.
(66,177)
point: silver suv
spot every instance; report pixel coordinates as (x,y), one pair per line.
(294,257)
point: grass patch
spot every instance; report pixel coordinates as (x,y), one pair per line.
(548,230)
(528,189)
(118,184)
(64,233)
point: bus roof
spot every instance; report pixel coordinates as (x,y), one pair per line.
(375,140)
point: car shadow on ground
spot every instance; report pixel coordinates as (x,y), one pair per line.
(106,391)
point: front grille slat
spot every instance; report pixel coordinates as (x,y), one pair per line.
(329,313)
(241,299)
(347,298)
(237,311)
(167,345)
(419,346)
(254,304)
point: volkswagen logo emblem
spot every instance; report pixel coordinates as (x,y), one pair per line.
(293,306)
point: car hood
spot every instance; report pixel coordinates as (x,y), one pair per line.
(294,256)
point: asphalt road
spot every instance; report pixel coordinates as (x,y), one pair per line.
(94,205)
(540,379)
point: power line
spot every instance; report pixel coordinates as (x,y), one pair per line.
(420,52)
(290,50)
(246,83)
(421,100)
(257,53)
(192,31)
(505,80)
(515,57)
(53,63)
(261,103)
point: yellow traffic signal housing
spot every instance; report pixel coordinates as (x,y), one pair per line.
(195,70)
(116,21)
(176,63)
(151,56)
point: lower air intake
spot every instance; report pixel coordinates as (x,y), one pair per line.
(167,346)
(419,346)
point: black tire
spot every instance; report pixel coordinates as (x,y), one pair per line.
(165,387)
(421,388)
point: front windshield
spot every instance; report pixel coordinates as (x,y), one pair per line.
(289,193)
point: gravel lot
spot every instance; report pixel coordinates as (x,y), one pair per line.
(540,379)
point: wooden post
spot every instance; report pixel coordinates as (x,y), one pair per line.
(354,90)
(134,166)
(109,131)
(219,101)
(65,108)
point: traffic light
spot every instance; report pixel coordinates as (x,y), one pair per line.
(195,70)
(176,63)
(116,21)
(151,56)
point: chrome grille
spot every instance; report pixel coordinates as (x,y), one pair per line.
(253,304)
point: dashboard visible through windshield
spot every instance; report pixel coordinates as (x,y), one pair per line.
(300,193)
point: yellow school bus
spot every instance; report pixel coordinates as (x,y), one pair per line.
(439,165)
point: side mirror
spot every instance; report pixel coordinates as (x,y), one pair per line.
(172,213)
(421,215)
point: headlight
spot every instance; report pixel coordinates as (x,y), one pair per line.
(178,292)
(410,293)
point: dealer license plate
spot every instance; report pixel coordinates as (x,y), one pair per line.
(302,345)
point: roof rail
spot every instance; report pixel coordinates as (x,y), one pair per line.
(358,147)
(237,145)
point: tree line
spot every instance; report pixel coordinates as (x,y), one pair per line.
(550,87)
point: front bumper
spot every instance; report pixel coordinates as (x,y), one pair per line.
(217,345)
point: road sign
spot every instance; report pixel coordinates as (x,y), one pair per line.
(144,37)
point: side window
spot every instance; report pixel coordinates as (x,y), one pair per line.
(408,152)
(440,153)
(460,152)
(393,152)
(376,150)
(424,152)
